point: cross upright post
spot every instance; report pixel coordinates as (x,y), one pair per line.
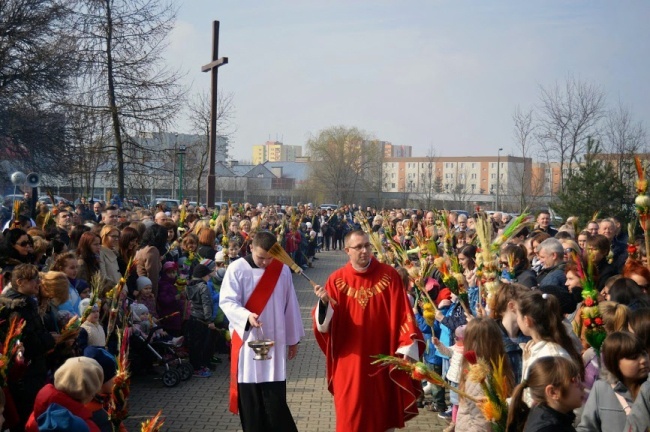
(213,67)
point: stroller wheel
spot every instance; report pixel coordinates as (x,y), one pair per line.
(171,378)
(185,370)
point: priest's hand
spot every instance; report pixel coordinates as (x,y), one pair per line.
(321,293)
(293,350)
(252,319)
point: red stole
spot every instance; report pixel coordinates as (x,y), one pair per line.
(256,304)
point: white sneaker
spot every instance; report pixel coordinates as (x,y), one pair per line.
(428,388)
(178,341)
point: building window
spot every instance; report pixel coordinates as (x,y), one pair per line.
(473,186)
(393,185)
(493,176)
(462,165)
(492,165)
(473,165)
(473,176)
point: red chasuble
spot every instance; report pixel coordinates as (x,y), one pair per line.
(372,316)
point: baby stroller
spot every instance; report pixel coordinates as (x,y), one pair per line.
(145,352)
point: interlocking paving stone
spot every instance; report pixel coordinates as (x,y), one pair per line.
(201,404)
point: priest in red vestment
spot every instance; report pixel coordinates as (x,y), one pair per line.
(364,311)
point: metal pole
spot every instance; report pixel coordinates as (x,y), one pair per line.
(496,202)
(181,152)
(174,168)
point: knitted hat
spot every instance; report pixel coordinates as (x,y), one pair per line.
(169,265)
(567,301)
(208,263)
(219,274)
(201,271)
(80,378)
(105,359)
(81,285)
(137,309)
(57,418)
(84,304)
(220,257)
(143,282)
(444,294)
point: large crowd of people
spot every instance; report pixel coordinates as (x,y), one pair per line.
(173,264)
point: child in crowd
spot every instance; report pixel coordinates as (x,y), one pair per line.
(233,249)
(169,300)
(431,331)
(142,325)
(610,399)
(555,387)
(75,384)
(504,311)
(480,335)
(455,353)
(615,318)
(190,256)
(67,263)
(539,316)
(97,405)
(200,322)
(146,297)
(92,332)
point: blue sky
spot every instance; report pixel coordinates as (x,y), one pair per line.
(421,73)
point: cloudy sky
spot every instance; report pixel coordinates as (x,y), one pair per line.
(446,74)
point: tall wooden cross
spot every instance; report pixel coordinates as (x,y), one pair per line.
(213,67)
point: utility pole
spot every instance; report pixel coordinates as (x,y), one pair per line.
(213,67)
(496,203)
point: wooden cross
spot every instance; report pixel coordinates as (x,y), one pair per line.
(213,67)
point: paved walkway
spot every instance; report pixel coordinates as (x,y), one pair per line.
(202,404)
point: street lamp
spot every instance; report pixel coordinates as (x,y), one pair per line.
(496,202)
(181,152)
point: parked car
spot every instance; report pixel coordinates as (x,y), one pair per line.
(133,202)
(168,203)
(328,206)
(460,212)
(14,197)
(47,200)
(220,205)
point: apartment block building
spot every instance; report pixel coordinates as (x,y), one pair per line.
(275,151)
(475,175)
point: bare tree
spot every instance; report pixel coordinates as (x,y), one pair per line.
(87,136)
(374,176)
(523,135)
(429,183)
(121,46)
(36,50)
(199,116)
(568,116)
(338,163)
(624,138)
(459,189)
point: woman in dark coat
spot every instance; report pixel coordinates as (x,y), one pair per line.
(20,301)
